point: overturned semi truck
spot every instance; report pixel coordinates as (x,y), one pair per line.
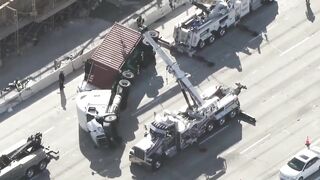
(109,73)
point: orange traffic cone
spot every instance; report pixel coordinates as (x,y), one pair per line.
(308,142)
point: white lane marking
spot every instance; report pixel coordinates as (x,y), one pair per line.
(315,142)
(271,26)
(275,48)
(153,101)
(294,46)
(145,107)
(286,131)
(67,152)
(228,151)
(48,130)
(255,38)
(214,134)
(254,144)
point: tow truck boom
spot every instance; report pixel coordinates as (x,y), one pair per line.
(173,68)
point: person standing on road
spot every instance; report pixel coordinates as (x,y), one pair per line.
(61,80)
(140,21)
(171,4)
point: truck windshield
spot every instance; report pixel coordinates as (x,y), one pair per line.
(156,135)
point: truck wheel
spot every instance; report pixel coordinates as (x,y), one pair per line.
(156,164)
(43,164)
(30,173)
(222,31)
(221,121)
(110,118)
(128,75)
(210,126)
(233,113)
(212,38)
(124,83)
(201,44)
(154,34)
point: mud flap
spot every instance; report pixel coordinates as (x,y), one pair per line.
(247,118)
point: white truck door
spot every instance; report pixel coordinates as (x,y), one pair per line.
(237,10)
(245,7)
(255,4)
(95,129)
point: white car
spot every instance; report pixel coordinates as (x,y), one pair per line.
(302,165)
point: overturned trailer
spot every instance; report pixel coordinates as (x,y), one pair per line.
(109,73)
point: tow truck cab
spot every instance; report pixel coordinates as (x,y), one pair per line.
(161,141)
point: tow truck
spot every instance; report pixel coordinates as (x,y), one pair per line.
(172,132)
(212,22)
(25,158)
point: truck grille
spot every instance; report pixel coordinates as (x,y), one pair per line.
(139,153)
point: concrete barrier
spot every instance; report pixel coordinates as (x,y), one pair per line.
(79,62)
(150,13)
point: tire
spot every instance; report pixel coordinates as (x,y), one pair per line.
(233,113)
(128,74)
(156,164)
(210,127)
(212,39)
(222,31)
(30,173)
(124,83)
(111,118)
(43,165)
(300,178)
(221,121)
(154,34)
(201,44)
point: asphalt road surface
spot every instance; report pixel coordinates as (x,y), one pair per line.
(280,67)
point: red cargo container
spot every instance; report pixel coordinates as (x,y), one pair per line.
(110,56)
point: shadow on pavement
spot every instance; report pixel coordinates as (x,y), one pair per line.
(41,94)
(104,162)
(309,13)
(45,175)
(63,99)
(147,83)
(197,161)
